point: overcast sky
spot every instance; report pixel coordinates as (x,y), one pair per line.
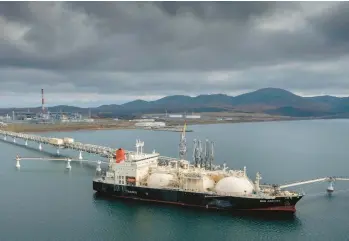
(93,53)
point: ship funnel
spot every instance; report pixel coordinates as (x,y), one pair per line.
(120,155)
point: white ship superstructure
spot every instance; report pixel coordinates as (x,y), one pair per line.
(130,168)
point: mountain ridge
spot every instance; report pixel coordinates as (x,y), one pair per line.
(269,100)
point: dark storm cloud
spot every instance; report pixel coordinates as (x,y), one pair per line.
(157,48)
(158,36)
(334,24)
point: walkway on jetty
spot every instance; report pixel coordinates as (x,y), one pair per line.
(67,143)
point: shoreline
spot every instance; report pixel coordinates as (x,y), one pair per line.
(125,125)
(42,128)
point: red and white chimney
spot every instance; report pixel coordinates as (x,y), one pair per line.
(42,101)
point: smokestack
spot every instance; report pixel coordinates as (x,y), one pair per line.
(42,101)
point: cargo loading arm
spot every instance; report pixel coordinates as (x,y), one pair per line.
(331,180)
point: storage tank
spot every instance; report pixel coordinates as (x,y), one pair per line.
(193,116)
(150,124)
(175,116)
(56,141)
(68,140)
(159,180)
(207,183)
(234,186)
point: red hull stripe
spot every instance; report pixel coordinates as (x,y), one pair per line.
(277,208)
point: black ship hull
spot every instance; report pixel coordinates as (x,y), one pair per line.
(200,200)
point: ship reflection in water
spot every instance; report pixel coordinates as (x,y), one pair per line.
(114,204)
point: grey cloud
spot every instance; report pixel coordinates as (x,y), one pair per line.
(240,11)
(334,24)
(16,11)
(222,43)
(159,48)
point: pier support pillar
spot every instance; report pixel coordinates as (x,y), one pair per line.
(18,165)
(5,137)
(40,147)
(14,140)
(330,187)
(26,143)
(58,151)
(80,155)
(68,166)
(99,169)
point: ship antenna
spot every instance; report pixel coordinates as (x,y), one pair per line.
(137,146)
(200,153)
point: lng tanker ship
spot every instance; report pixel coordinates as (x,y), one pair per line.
(146,177)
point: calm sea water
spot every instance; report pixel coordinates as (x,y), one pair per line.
(42,201)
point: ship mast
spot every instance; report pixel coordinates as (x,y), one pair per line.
(200,154)
(203,157)
(196,153)
(207,154)
(183,144)
(211,158)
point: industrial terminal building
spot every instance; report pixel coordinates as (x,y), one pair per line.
(173,116)
(155,124)
(44,115)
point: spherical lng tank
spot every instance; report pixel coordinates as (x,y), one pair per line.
(234,185)
(159,180)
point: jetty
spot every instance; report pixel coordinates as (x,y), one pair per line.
(66,143)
